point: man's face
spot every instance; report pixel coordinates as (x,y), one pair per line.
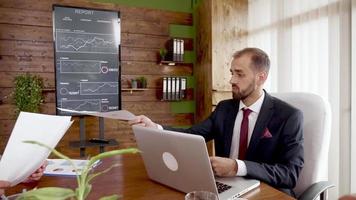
(243,77)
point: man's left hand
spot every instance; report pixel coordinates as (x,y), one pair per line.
(35,176)
(223,166)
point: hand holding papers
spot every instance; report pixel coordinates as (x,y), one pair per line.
(35,176)
(120,114)
(21,159)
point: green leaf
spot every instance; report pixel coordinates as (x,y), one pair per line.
(52,193)
(87,190)
(111,153)
(92,176)
(112,197)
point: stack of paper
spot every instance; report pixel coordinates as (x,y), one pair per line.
(120,114)
(21,159)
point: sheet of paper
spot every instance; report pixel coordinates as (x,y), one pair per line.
(62,167)
(21,159)
(120,114)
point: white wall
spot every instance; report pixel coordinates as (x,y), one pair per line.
(353,101)
(334,94)
(345,96)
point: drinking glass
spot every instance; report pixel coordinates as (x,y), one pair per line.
(201,195)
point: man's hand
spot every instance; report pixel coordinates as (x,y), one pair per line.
(35,176)
(223,166)
(143,121)
(3,185)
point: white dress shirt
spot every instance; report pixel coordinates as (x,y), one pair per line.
(235,143)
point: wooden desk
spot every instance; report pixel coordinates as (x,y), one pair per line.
(130,180)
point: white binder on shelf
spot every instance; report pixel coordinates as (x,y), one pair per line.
(174,88)
(181,50)
(183,87)
(164,89)
(175,49)
(169,88)
(177,91)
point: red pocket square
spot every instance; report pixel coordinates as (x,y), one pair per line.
(266,134)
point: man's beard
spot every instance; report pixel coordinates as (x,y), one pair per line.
(243,94)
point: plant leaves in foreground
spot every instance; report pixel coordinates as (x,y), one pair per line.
(84,186)
(53,193)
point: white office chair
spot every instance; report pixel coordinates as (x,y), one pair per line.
(312,182)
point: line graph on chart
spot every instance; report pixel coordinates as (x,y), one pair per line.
(80,105)
(85,43)
(83,67)
(99,88)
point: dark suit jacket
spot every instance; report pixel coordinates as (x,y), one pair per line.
(276,160)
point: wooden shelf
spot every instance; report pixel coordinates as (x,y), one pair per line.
(131,90)
(172,63)
(48,89)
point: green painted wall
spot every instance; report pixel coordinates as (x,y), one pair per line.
(183,107)
(171,5)
(189,56)
(175,30)
(181,31)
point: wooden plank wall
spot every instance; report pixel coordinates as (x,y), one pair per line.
(203,69)
(229,34)
(26,46)
(221,30)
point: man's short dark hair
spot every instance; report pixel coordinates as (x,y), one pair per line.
(259,58)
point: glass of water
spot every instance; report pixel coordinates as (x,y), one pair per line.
(201,195)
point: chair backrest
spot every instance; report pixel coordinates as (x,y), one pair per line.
(317,125)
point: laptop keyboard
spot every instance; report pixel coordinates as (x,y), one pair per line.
(222,187)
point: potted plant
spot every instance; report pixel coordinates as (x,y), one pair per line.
(84,179)
(163,53)
(133,83)
(28,93)
(141,82)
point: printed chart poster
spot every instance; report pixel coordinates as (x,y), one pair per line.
(87,65)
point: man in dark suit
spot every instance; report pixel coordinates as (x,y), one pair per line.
(256,135)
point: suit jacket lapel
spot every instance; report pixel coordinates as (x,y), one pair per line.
(263,118)
(230,123)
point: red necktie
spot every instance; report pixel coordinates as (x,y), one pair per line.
(244,134)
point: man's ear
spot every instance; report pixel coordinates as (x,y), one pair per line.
(262,77)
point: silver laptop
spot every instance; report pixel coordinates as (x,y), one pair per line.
(181,161)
